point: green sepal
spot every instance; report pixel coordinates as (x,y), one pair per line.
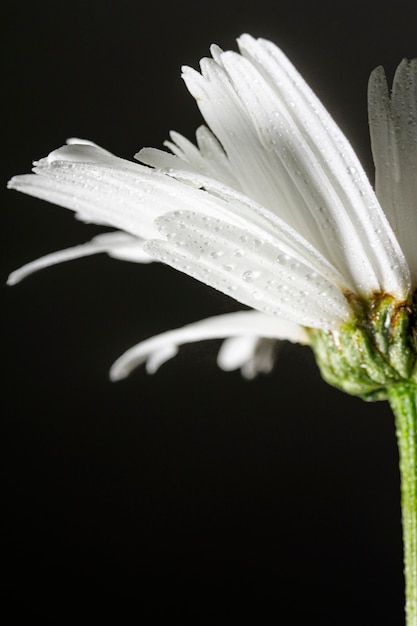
(376,349)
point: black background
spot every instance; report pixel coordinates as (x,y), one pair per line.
(192,494)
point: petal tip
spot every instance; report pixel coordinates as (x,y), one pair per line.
(13,279)
(117,373)
(12,183)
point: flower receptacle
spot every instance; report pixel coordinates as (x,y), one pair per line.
(375,350)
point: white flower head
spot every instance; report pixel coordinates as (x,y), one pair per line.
(271,207)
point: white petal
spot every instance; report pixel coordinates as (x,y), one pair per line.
(71,141)
(218,165)
(255,272)
(158,358)
(117,245)
(124,247)
(235,352)
(246,213)
(251,355)
(209,159)
(99,187)
(159,159)
(257,175)
(103,189)
(185,148)
(393,127)
(163,346)
(283,167)
(340,163)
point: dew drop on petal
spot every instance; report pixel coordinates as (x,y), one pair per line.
(283,258)
(249,276)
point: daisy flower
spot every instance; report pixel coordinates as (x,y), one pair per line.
(272,207)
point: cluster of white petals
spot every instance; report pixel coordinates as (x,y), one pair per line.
(271,207)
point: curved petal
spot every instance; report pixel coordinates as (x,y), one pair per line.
(117,245)
(250,215)
(291,157)
(158,349)
(260,274)
(104,189)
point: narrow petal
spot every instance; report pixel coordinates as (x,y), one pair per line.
(219,165)
(340,163)
(158,349)
(209,159)
(103,189)
(259,177)
(284,162)
(252,355)
(98,186)
(108,190)
(255,272)
(393,128)
(159,159)
(117,245)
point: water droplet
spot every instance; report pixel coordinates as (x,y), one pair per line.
(216,254)
(256,295)
(249,276)
(283,258)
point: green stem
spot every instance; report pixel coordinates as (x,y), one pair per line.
(403,400)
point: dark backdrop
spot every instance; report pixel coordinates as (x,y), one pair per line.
(191,494)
